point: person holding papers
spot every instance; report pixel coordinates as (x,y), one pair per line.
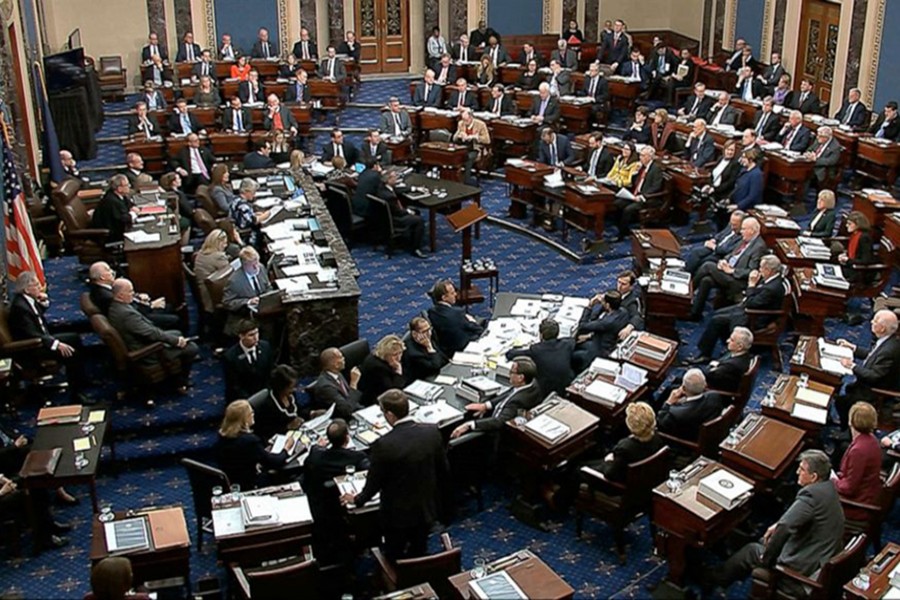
(524,394)
(879,367)
(382,369)
(689,406)
(421,360)
(859,477)
(555,149)
(545,108)
(597,336)
(247,364)
(241,453)
(102,277)
(648,181)
(331,388)
(244,288)
(454,328)
(115,212)
(552,357)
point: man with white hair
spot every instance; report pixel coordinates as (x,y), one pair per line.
(826,152)
(879,365)
(648,181)
(545,108)
(70,166)
(564,55)
(428,93)
(688,407)
(722,113)
(700,148)
(102,277)
(854,112)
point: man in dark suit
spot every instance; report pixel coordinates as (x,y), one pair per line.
(853,112)
(331,388)
(453,326)
(298,90)
(722,113)
(339,147)
(634,69)
(204,67)
(826,152)
(887,125)
(227,50)
(408,467)
(428,93)
(698,105)
(688,407)
(395,121)
(596,87)
(565,56)
(262,47)
(367,183)
(259,158)
(717,247)
(879,367)
(598,334)
(236,117)
(726,373)
(188,51)
(555,149)
(252,90)
(26,321)
(560,82)
(421,359)
(662,66)
(461,97)
(730,274)
(406,221)
(632,301)
(194,164)
(279,117)
(114,212)
(152,97)
(137,332)
(700,148)
(244,288)
(524,395)
(552,357)
(599,160)
(153,48)
(766,123)
(795,135)
(182,121)
(247,364)
(765,291)
(770,76)
(463,51)
(134,169)
(496,52)
(615,51)
(742,58)
(648,181)
(305,48)
(100,289)
(374,149)
(332,67)
(445,71)
(323,464)
(806,101)
(748,88)
(529,54)
(500,103)
(141,123)
(545,108)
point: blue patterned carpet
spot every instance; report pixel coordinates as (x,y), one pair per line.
(150,442)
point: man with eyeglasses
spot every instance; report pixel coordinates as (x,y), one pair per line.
(421,359)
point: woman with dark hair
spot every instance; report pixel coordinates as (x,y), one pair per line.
(573,32)
(240,452)
(220,188)
(111,579)
(624,167)
(858,250)
(639,130)
(859,477)
(275,407)
(241,69)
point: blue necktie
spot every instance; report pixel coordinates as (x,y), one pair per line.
(186,124)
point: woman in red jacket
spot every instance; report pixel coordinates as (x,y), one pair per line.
(859,478)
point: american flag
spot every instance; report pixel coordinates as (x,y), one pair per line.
(21,248)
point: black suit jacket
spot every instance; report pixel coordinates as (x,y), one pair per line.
(605,331)
(163,53)
(298,49)
(197,71)
(551,113)
(377,377)
(891,131)
(697,108)
(684,420)
(418,363)
(615,52)
(112,213)
(810,105)
(770,129)
(24,323)
(879,367)
(564,153)
(175,123)
(255,160)
(527,81)
(470,101)
(135,126)
(381,155)
(183,159)
(601,92)
(228,119)
(633,304)
(860,117)
(701,150)
(270,415)
(452,330)
(627,451)
(243,379)
(239,457)
(351,154)
(728,179)
(327,391)
(182,52)
(408,465)
(604,163)
(257,50)
(825,226)
(506,105)
(535,56)
(553,359)
(290,93)
(451,74)
(324,464)
(367,183)
(507,407)
(244,92)
(728,371)
(344,48)
(801,139)
(434,95)
(653,181)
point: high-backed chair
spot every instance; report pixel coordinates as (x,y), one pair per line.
(203,479)
(434,569)
(354,353)
(769,335)
(19,351)
(87,305)
(742,394)
(662,211)
(440,135)
(827,584)
(206,202)
(619,504)
(340,206)
(86,242)
(275,580)
(382,219)
(711,435)
(113,77)
(875,513)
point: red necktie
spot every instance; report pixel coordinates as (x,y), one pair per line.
(277,121)
(640,180)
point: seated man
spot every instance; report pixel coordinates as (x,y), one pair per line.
(453,326)
(524,394)
(825,151)
(244,288)
(722,113)
(102,277)
(137,331)
(421,359)
(794,136)
(632,302)
(260,157)
(500,103)
(428,93)
(473,133)
(373,149)
(332,388)
(765,291)
(555,149)
(698,105)
(461,97)
(688,407)
(141,123)
(552,357)
(700,148)
(340,147)
(853,112)
(252,91)
(115,212)
(599,160)
(717,247)
(596,87)
(766,123)
(395,122)
(194,163)
(26,321)
(647,182)
(806,536)
(545,107)
(598,334)
(560,83)
(279,117)
(367,183)
(298,90)
(406,220)
(247,364)
(236,118)
(445,71)
(332,67)
(182,121)
(887,125)
(730,274)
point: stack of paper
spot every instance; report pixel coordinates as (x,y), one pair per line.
(548,428)
(139,236)
(604,366)
(725,488)
(424,390)
(526,307)
(605,393)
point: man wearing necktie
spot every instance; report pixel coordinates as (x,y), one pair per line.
(226,52)
(500,104)
(299,91)
(395,121)
(334,68)
(853,113)
(332,389)
(340,147)
(767,124)
(886,125)
(879,367)
(279,117)
(182,122)
(374,150)
(204,66)
(262,47)
(152,49)
(141,122)
(193,164)
(245,286)
(524,395)
(544,108)
(236,118)
(247,364)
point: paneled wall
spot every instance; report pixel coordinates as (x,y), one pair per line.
(515,17)
(887,85)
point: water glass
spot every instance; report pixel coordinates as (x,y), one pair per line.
(350,470)
(354,426)
(87,428)
(480,569)
(80,460)
(672,483)
(106,513)
(861,581)
(235,490)
(804,380)
(216,496)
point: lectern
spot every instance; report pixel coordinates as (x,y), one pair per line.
(463,220)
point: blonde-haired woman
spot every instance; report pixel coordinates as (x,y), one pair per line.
(210,258)
(240,452)
(485,71)
(641,443)
(382,370)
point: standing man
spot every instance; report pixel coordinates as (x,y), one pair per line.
(408,464)
(247,364)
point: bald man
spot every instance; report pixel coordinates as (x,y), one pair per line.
(879,365)
(332,388)
(101,281)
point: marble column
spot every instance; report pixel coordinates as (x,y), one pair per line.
(592,20)
(336,26)
(720,26)
(432,16)
(156,16)
(308,18)
(184,20)
(459,21)
(707,23)
(854,53)
(778,27)
(570,13)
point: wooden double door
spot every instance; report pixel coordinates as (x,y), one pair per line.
(818,47)
(382,27)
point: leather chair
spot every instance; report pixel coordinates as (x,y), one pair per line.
(382,220)
(300,574)
(204,220)
(340,205)
(619,504)
(769,336)
(215,286)
(86,242)
(829,582)
(87,305)
(875,513)
(440,135)
(354,354)
(741,396)
(19,350)
(711,435)
(661,213)
(113,77)
(203,479)
(434,569)
(206,202)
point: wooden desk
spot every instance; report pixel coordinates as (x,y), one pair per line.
(457,193)
(155,267)
(879,583)
(576,116)
(788,176)
(401,149)
(510,75)
(805,359)
(719,136)
(611,417)
(531,574)
(749,110)
(169,554)
(657,369)
(891,232)
(765,449)
(653,243)
(422,591)
(450,158)
(430,120)
(267,69)
(790,253)
(541,454)
(153,151)
(524,100)
(586,209)
(512,139)
(875,207)
(815,303)
(329,92)
(772,228)
(878,159)
(687,519)
(685,179)
(665,307)
(783,394)
(230,145)
(522,182)
(622,93)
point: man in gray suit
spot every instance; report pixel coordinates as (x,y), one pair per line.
(524,395)
(729,274)
(826,151)
(332,388)
(395,122)
(333,67)
(137,331)
(244,288)
(806,536)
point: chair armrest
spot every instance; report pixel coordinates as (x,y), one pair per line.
(21,346)
(799,577)
(387,569)
(762,312)
(146,351)
(693,446)
(239,576)
(88,233)
(888,393)
(464,438)
(445,541)
(861,505)
(598,480)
